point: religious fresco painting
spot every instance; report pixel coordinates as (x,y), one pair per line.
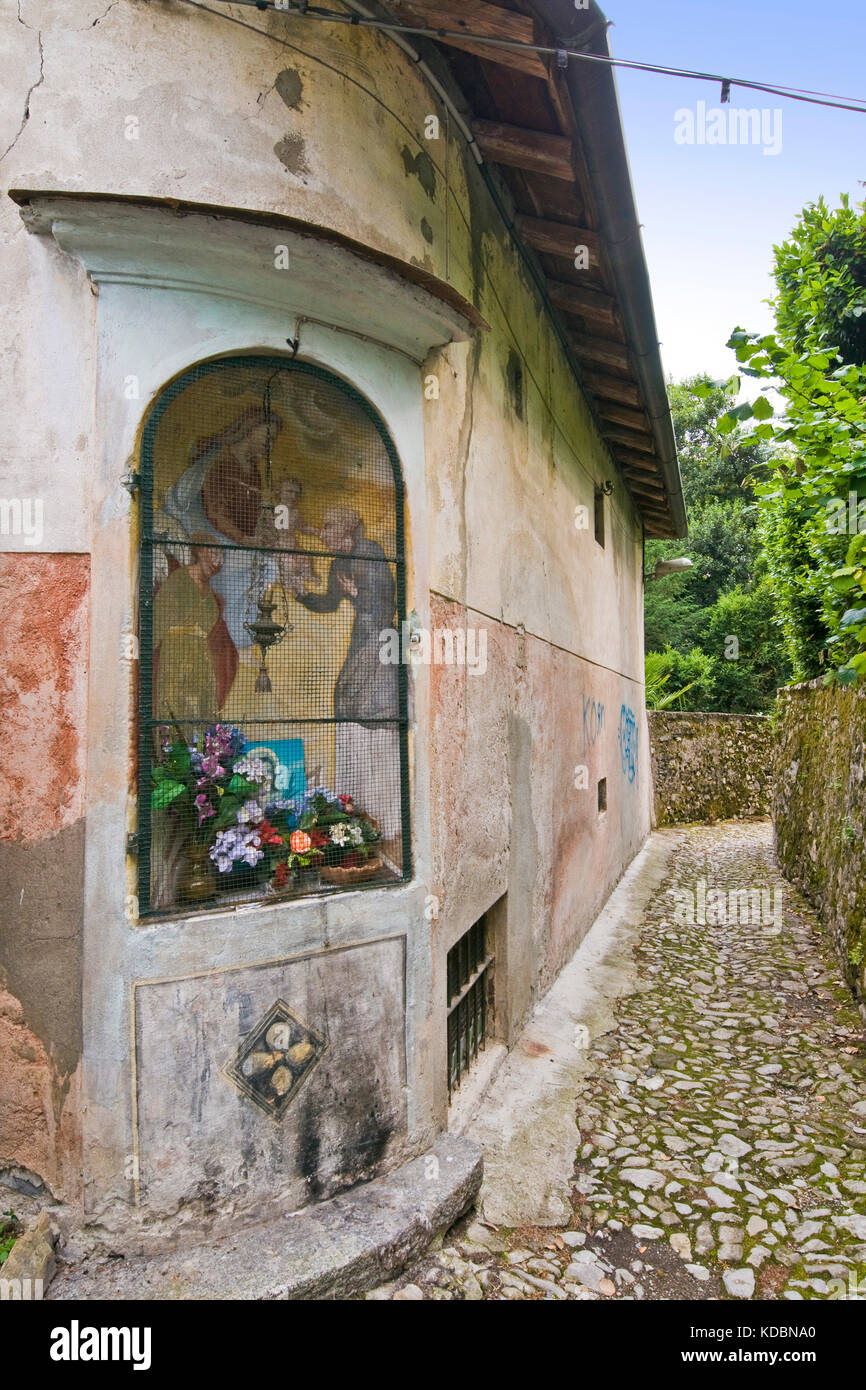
(273,736)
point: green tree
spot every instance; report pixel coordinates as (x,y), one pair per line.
(689,616)
(816,560)
(692,673)
(743,640)
(715,468)
(670,616)
(724,546)
(820,275)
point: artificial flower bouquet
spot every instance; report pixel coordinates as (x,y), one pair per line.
(211,787)
(222,793)
(326,832)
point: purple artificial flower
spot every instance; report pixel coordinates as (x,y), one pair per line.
(225,742)
(236,845)
(252,854)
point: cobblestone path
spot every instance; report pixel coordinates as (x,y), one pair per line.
(723,1127)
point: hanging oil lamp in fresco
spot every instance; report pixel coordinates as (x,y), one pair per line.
(265,630)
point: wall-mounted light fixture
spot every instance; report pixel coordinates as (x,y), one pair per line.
(674,566)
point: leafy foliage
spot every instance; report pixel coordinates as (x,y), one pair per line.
(673,666)
(10,1229)
(724,547)
(747,685)
(690,617)
(714,470)
(813,528)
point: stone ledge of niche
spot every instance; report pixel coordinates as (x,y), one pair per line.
(232,254)
(309,910)
(336,1249)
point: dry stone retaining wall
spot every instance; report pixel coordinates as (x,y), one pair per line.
(819,810)
(709,767)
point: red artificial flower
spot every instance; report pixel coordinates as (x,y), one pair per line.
(281,875)
(319,838)
(267,834)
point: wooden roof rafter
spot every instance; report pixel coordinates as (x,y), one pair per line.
(526,124)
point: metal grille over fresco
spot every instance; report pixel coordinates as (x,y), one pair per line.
(273,723)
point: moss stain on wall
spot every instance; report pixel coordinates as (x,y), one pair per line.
(819,809)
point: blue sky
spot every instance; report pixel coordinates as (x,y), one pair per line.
(711,214)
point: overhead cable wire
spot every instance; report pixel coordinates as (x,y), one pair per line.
(300,10)
(529,262)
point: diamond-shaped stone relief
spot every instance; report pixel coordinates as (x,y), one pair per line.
(275,1059)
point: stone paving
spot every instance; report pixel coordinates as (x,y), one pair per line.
(723,1122)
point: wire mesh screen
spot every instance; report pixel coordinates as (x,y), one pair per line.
(273,719)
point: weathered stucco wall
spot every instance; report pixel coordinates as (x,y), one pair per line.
(516,758)
(819,810)
(327,125)
(708,767)
(43,711)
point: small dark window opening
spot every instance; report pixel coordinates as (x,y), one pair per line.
(514,381)
(470,1000)
(602,795)
(599,516)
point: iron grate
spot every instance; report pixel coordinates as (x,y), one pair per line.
(470,1000)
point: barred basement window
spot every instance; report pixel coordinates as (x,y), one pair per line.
(470,1000)
(273,730)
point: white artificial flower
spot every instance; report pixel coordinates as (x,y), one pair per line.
(252,768)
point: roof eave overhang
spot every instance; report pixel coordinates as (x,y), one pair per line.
(593,94)
(552,132)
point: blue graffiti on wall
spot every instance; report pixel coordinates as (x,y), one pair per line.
(628,743)
(593,721)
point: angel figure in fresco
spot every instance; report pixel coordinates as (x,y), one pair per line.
(220,495)
(366,690)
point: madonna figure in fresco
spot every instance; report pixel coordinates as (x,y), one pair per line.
(220,495)
(366,690)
